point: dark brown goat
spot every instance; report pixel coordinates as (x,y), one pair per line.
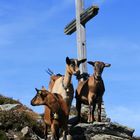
(91,91)
(58,110)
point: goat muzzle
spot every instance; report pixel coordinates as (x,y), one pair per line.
(97,77)
(77,73)
(32,102)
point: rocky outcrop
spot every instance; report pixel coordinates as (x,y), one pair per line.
(18,122)
(101,131)
(7,107)
(104,130)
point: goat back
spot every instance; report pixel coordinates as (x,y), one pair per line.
(53,78)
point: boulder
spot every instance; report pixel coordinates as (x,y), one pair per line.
(6,107)
(101,131)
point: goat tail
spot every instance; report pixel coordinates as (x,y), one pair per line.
(50,72)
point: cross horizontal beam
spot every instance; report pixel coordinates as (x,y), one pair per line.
(85,16)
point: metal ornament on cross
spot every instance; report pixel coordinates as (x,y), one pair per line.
(78,25)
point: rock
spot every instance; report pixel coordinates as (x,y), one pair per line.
(101,131)
(106,137)
(25,130)
(35,137)
(7,107)
(19,122)
(69,137)
(15,137)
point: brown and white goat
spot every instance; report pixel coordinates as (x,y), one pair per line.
(90,92)
(58,109)
(63,85)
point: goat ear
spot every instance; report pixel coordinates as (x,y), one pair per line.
(82,61)
(91,63)
(68,60)
(43,88)
(36,89)
(107,65)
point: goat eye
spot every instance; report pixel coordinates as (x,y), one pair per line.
(72,65)
(39,92)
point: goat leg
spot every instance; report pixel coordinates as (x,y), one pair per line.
(78,107)
(99,110)
(65,130)
(55,131)
(90,114)
(93,110)
(46,132)
(92,107)
(64,135)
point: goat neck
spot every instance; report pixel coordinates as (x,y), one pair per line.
(67,79)
(97,78)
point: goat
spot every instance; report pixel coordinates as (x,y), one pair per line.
(58,109)
(90,92)
(63,84)
(47,113)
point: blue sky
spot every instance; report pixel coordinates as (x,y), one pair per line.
(32,39)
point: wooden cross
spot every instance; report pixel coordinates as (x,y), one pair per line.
(78,25)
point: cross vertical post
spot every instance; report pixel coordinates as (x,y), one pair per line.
(81,35)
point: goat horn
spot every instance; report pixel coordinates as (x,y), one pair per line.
(50,72)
